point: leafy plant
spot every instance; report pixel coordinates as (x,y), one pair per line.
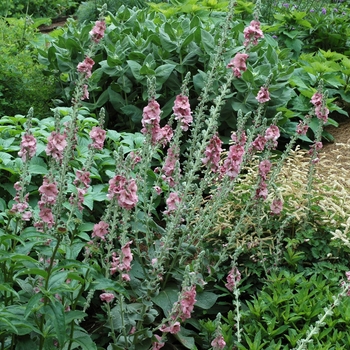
(21,73)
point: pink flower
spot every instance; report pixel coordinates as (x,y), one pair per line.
(276,206)
(263,95)
(46,216)
(347,274)
(82,177)
(322,113)
(124,190)
(151,114)
(238,64)
(262,190)
(107,297)
(86,66)
(158,344)
(170,161)
(172,202)
(127,256)
(100,230)
(27,215)
(182,111)
(212,153)
(164,135)
(125,277)
(56,145)
(48,192)
(264,168)
(252,33)
(28,147)
(272,133)
(98,31)
(98,136)
(317,99)
(127,198)
(239,138)
(85,92)
(259,143)
(188,299)
(233,278)
(302,128)
(218,343)
(158,189)
(232,164)
(172,328)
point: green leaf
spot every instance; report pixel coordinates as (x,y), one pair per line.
(135,69)
(57,316)
(83,340)
(207,42)
(133,112)
(186,340)
(205,300)
(166,298)
(163,72)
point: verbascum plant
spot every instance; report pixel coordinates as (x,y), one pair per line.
(131,270)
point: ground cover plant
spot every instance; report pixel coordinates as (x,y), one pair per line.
(166,237)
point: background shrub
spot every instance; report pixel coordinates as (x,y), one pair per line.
(21,74)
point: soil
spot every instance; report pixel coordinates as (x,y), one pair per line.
(341,135)
(56,23)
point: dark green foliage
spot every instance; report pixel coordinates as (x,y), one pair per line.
(36,8)
(21,74)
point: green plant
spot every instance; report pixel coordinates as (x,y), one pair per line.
(21,74)
(36,8)
(107,232)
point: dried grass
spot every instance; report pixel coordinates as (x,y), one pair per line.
(330,199)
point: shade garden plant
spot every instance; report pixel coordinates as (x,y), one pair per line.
(114,239)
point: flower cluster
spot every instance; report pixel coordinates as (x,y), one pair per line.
(272,133)
(124,190)
(252,33)
(48,195)
(212,153)
(170,164)
(21,204)
(264,169)
(182,111)
(98,31)
(86,67)
(233,279)
(28,147)
(122,263)
(218,343)
(56,145)
(107,297)
(100,230)
(263,95)
(181,311)
(321,110)
(98,136)
(232,164)
(172,202)
(151,124)
(82,183)
(276,206)
(238,64)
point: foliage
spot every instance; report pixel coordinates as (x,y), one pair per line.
(109,239)
(309,26)
(166,49)
(89,10)
(21,73)
(36,8)
(282,313)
